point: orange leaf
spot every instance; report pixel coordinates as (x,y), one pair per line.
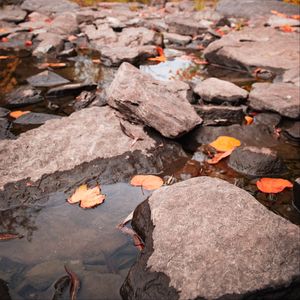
(148,182)
(273,185)
(225,143)
(88,197)
(275,12)
(18,113)
(161,57)
(160,51)
(3,57)
(219,156)
(296,17)
(287,28)
(52,65)
(249,120)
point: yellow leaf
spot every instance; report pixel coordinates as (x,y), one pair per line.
(18,113)
(79,194)
(225,143)
(148,182)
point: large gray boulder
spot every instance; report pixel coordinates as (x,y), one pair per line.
(208,239)
(283,98)
(256,47)
(161,105)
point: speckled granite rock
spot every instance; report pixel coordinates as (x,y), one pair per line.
(208,239)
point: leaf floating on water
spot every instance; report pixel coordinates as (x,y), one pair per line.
(9,236)
(161,55)
(18,113)
(219,156)
(148,182)
(225,143)
(273,185)
(88,198)
(249,120)
(75,283)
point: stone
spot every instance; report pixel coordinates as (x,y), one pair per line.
(64,24)
(84,99)
(292,76)
(4,112)
(70,89)
(48,7)
(4,129)
(255,161)
(293,132)
(160,105)
(62,144)
(47,79)
(104,33)
(250,8)
(282,98)
(277,21)
(220,114)
(241,248)
(17,40)
(218,91)
(22,96)
(33,118)
(49,41)
(12,13)
(255,47)
(4,291)
(174,38)
(269,119)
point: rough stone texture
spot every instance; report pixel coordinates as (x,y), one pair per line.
(256,47)
(49,7)
(220,114)
(269,119)
(255,161)
(293,132)
(283,98)
(175,38)
(47,79)
(250,8)
(157,104)
(12,14)
(276,21)
(217,91)
(208,239)
(35,118)
(104,33)
(71,89)
(292,76)
(62,144)
(4,132)
(22,96)
(64,24)
(4,112)
(49,41)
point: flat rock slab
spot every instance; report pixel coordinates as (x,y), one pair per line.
(35,118)
(12,13)
(49,7)
(47,79)
(218,91)
(208,239)
(256,47)
(59,145)
(283,98)
(251,8)
(160,105)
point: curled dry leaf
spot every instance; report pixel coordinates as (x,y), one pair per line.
(148,182)
(249,120)
(273,185)
(219,156)
(18,113)
(88,198)
(225,143)
(161,56)
(75,283)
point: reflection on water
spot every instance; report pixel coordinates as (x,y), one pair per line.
(60,233)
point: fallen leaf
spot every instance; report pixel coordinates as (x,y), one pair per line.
(137,240)
(219,156)
(275,12)
(287,28)
(52,65)
(18,113)
(295,17)
(161,57)
(96,61)
(148,182)
(4,57)
(249,120)
(75,283)
(4,40)
(88,198)
(28,43)
(126,220)
(9,236)
(225,143)
(273,185)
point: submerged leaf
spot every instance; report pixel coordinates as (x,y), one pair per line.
(148,182)
(219,156)
(75,283)
(225,143)
(18,113)
(273,185)
(249,120)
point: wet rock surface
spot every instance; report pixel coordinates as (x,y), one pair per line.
(256,161)
(47,79)
(12,14)
(159,105)
(35,118)
(209,211)
(279,97)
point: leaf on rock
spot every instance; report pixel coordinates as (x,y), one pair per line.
(18,113)
(225,143)
(9,236)
(161,56)
(88,198)
(219,156)
(148,182)
(273,185)
(249,120)
(52,65)
(287,28)
(275,12)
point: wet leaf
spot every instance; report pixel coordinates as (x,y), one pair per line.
(249,120)
(18,113)
(28,43)
(275,12)
(52,65)
(148,182)
(161,56)
(88,198)
(9,236)
(273,185)
(287,28)
(137,240)
(75,283)
(219,156)
(3,57)
(225,143)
